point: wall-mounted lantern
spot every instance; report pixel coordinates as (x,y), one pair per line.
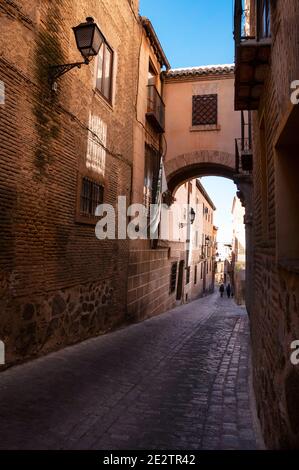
(89,40)
(192,216)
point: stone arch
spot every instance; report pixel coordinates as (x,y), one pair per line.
(199,163)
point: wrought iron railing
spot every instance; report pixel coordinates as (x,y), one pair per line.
(244,144)
(241,31)
(244,159)
(244,30)
(155,108)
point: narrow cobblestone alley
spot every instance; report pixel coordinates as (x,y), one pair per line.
(176,381)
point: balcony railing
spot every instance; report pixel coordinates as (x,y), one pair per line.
(252,34)
(244,158)
(155,109)
(244,30)
(241,23)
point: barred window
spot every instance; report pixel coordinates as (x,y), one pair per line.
(204,110)
(91,196)
(173,277)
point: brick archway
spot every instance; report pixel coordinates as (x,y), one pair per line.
(199,163)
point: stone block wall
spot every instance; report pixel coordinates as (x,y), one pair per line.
(149,278)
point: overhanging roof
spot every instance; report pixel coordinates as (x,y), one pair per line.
(205,70)
(155,43)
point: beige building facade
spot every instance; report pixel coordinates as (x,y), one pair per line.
(199,237)
(238,262)
(201,123)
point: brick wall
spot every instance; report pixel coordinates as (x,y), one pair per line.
(59,284)
(275,289)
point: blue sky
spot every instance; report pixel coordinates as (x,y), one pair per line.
(198,32)
(193,32)
(222,192)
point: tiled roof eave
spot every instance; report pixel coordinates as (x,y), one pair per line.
(200,71)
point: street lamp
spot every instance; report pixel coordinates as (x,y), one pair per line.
(192,216)
(89,40)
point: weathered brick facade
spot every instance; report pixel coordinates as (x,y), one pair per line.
(275,289)
(59,284)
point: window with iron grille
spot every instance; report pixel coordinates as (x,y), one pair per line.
(91,196)
(173,277)
(204,110)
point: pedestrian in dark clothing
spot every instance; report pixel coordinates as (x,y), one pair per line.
(228,290)
(221,290)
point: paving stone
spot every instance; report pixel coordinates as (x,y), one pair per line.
(176,381)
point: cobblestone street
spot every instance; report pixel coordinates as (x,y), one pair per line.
(177,381)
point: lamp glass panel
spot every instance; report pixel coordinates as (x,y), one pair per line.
(84,36)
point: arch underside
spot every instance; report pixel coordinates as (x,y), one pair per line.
(177,178)
(199,163)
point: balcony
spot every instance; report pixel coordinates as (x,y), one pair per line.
(244,157)
(244,160)
(155,109)
(252,34)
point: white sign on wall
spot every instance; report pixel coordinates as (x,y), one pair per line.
(97,140)
(2,92)
(2,353)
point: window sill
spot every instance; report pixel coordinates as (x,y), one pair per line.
(103,99)
(85,220)
(205,127)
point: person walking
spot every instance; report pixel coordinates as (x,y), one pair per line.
(221,290)
(228,290)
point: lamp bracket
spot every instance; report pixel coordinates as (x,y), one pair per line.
(56,71)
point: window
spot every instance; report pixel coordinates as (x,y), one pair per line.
(195,274)
(201,271)
(104,71)
(264,19)
(152,75)
(151,175)
(173,277)
(91,196)
(204,110)
(188,275)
